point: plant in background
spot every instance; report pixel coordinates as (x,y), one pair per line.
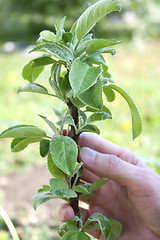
(79,77)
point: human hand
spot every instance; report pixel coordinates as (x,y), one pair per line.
(132,195)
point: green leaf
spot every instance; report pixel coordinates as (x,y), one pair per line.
(72,223)
(86,196)
(81,188)
(44,147)
(18,144)
(110,95)
(97,44)
(97,184)
(104,50)
(46,35)
(50,124)
(60,29)
(33,87)
(55,72)
(75,235)
(66,120)
(55,49)
(92,15)
(115,231)
(62,229)
(58,113)
(103,109)
(64,193)
(93,96)
(54,170)
(106,77)
(86,76)
(64,85)
(76,101)
(98,116)
(23,131)
(57,183)
(67,37)
(55,88)
(41,197)
(89,128)
(42,61)
(64,153)
(44,188)
(103,221)
(82,115)
(136,118)
(59,188)
(31,73)
(96,58)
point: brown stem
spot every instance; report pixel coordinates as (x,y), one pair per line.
(74,113)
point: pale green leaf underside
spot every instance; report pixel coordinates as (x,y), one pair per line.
(96,58)
(66,120)
(41,197)
(55,49)
(136,118)
(23,131)
(92,15)
(33,87)
(103,221)
(50,124)
(90,128)
(47,35)
(60,30)
(98,116)
(64,153)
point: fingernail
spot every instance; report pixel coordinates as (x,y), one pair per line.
(87,155)
(62,212)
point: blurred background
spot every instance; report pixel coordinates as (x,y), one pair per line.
(135,67)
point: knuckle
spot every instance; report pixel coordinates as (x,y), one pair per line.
(112,161)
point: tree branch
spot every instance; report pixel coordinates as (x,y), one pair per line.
(74,113)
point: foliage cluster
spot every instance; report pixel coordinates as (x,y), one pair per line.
(79,75)
(27,18)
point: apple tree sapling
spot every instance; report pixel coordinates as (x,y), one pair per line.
(79,77)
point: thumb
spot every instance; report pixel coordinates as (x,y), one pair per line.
(110,166)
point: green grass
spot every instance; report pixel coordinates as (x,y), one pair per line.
(135,69)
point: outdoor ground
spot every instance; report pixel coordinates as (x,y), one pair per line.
(135,68)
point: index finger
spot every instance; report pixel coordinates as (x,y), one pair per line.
(99,144)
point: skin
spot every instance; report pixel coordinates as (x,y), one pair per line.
(132,195)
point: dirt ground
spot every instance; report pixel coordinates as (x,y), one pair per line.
(17,190)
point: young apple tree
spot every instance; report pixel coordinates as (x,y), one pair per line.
(79,77)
